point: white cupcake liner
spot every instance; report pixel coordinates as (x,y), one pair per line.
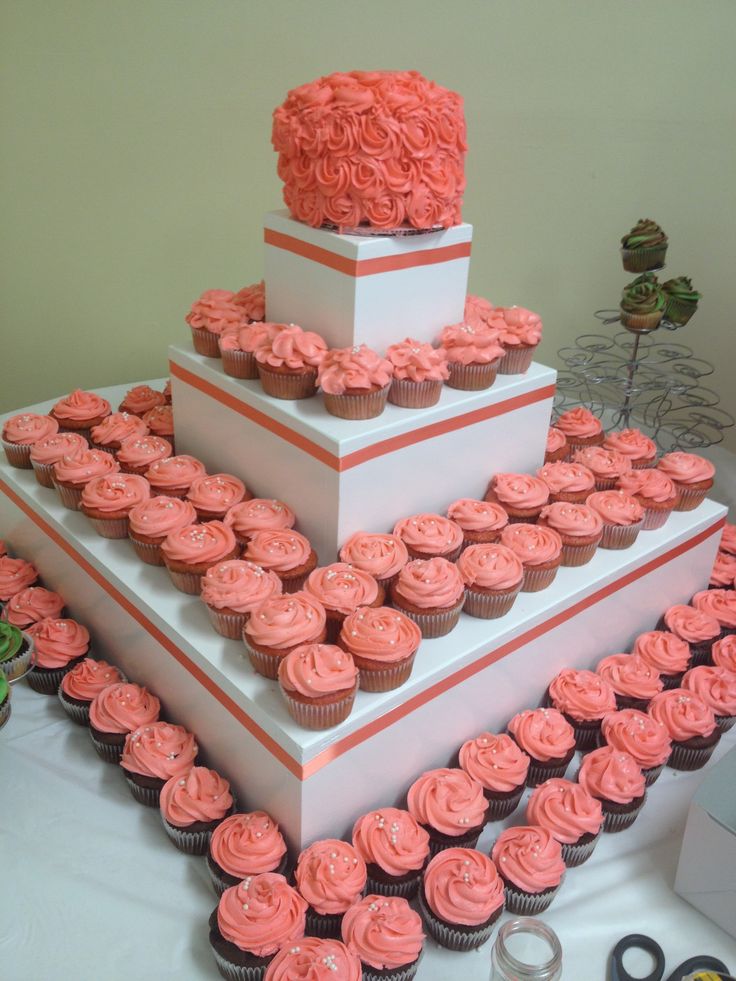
(108,752)
(239,364)
(205,342)
(70,497)
(689,498)
(471,377)
(18,454)
(44,474)
(536,579)
(324,926)
(414,395)
(266,665)
(655,518)
(620,536)
(450,938)
(228,625)
(189,842)
(685,758)
(147,552)
(110,527)
(725,722)
(614,822)
(17,666)
(5,710)
(290,387)
(577,555)
(319,716)
(238,972)
(528,903)
(489,606)
(148,796)
(434,624)
(187,582)
(79,714)
(367,406)
(516,361)
(574,855)
(387,678)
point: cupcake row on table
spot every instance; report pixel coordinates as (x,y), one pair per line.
(356,382)
(349,902)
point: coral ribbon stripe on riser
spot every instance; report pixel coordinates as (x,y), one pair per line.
(400,711)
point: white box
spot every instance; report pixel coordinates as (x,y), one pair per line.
(706,872)
(343,476)
(373,290)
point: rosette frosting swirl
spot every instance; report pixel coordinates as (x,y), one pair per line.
(122,708)
(495,761)
(630,675)
(462,885)
(534,544)
(380,633)
(313,670)
(686,468)
(691,625)
(259,514)
(728,536)
(115,494)
(158,516)
(478,310)
(724,652)
(563,477)
(645,234)
(342,588)
(529,857)
(287,620)
(683,713)
(87,679)
(465,344)
(314,959)
(140,399)
(391,839)
(543,733)
(490,567)
(517,326)
(331,876)
(58,641)
(520,490)
(383,556)
(248,844)
(81,466)
(572,520)
(292,348)
(612,774)
(216,492)
(15,575)
(238,585)
(31,605)
(664,651)
(353,369)
(430,583)
(430,534)
(261,914)
(215,310)
(481,516)
(160,420)
(556,439)
(579,422)
(252,300)
(200,795)
(632,443)
(28,428)
(194,544)
(718,603)
(117,427)
(174,472)
(53,448)
(159,750)
(565,809)
(80,406)
(615,507)
(723,572)
(605,464)
(279,549)
(582,695)
(650,484)
(143,451)
(638,734)
(384,931)
(417,362)
(448,800)
(716,685)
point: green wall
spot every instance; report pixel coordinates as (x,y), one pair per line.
(136,161)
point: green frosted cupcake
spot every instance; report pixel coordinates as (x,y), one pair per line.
(644,247)
(15,651)
(4,700)
(681,300)
(646,277)
(642,306)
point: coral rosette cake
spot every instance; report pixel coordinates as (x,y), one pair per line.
(80,411)
(634,681)
(690,723)
(666,652)
(190,551)
(580,529)
(73,472)
(696,627)
(214,494)
(15,575)
(211,314)
(540,551)
(581,428)
(521,495)
(583,697)
(716,685)
(519,333)
(174,475)
(314,959)
(473,356)
(640,449)
(654,490)
(141,399)
(287,362)
(31,605)
(341,589)
(692,476)
(108,500)
(570,482)
(622,517)
(556,448)
(137,454)
(481,521)
(115,429)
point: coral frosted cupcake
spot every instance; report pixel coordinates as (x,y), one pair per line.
(152,755)
(644,247)
(319,683)
(355,382)
(341,589)
(280,624)
(287,362)
(451,807)
(418,373)
(46,452)
(640,449)
(387,936)
(80,686)
(192,806)
(117,710)
(259,514)
(581,428)
(31,605)
(285,552)
(696,628)
(252,301)
(73,472)
(16,651)
(540,551)
(634,681)
(59,645)
(724,653)
(616,779)
(312,957)
(493,575)
(583,697)
(500,767)
(214,494)
(654,490)
(331,876)
(569,482)
(383,643)
(137,454)
(79,412)
(244,845)
(383,556)
(430,535)
(478,310)
(107,501)
(580,529)
(481,521)
(717,687)
(238,345)
(519,334)
(395,850)
(691,724)
(21,432)
(190,551)
(529,861)
(115,429)
(692,476)
(431,592)
(718,603)
(212,313)
(141,399)
(728,539)
(232,590)
(556,448)
(638,734)
(607,466)
(622,517)
(548,740)
(473,356)
(666,652)
(174,475)
(151,521)
(570,814)
(15,575)
(521,495)
(160,421)
(723,573)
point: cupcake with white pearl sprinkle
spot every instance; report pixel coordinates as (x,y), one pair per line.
(314,959)
(450,805)
(395,849)
(243,845)
(386,933)
(192,806)
(331,876)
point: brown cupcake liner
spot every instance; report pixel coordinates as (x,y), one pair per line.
(367,406)
(615,821)
(405,889)
(205,342)
(284,385)
(147,552)
(186,582)
(44,474)
(455,938)
(18,455)
(70,497)
(436,624)
(110,527)
(239,364)
(654,518)
(471,377)
(86,431)
(641,321)
(237,972)
(685,758)
(538,774)
(404,973)
(577,555)
(725,722)
(292,584)
(228,625)
(499,808)
(319,716)
(605,483)
(528,903)
(619,536)
(689,498)
(652,774)
(700,653)
(670,681)
(387,678)
(324,925)
(517,360)
(489,606)
(189,842)
(105,448)
(148,796)
(679,312)
(439,842)
(642,260)
(415,395)
(574,854)
(109,752)
(452,556)
(47,682)
(536,579)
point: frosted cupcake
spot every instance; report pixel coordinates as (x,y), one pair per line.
(395,849)
(717,687)
(571,815)
(232,590)
(386,934)
(80,686)
(383,643)
(245,845)
(79,412)
(473,356)
(634,681)
(73,473)
(556,447)
(718,603)
(59,645)
(259,514)
(692,476)
(21,432)
(418,373)
(670,655)
(607,466)
(724,653)
(355,382)
(698,629)
(174,476)
(152,755)
(451,807)
(160,421)
(569,482)
(15,575)
(212,313)
(115,429)
(5,707)
(117,710)
(622,517)
(319,683)
(46,452)
(723,573)
(108,500)
(519,494)
(654,491)
(151,521)
(137,454)
(331,876)
(16,651)
(189,552)
(529,861)
(383,556)
(728,539)
(31,605)
(313,957)
(287,363)
(615,778)
(583,697)
(690,723)
(279,625)
(580,529)
(500,767)
(478,310)
(239,343)
(430,535)
(431,592)
(548,740)
(638,734)
(640,449)
(520,332)
(540,551)
(493,575)
(141,399)
(581,428)
(192,806)
(252,301)
(285,552)
(214,494)
(481,521)
(341,590)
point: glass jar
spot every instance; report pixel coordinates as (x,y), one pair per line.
(526,950)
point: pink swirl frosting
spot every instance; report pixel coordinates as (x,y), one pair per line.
(481,516)
(380,633)
(718,603)
(391,839)
(723,572)
(209,542)
(261,914)
(331,876)
(417,362)
(216,492)
(383,556)
(478,310)
(58,641)
(287,620)
(88,678)
(534,544)
(238,585)
(175,472)
(430,583)
(353,369)
(466,344)
(83,465)
(447,800)
(572,520)
(158,516)
(200,795)
(248,844)
(342,588)
(117,427)
(140,399)
(517,326)
(566,477)
(495,761)
(683,713)
(615,507)
(15,576)
(630,675)
(691,624)
(638,734)
(79,406)
(716,685)
(520,490)
(280,549)
(29,428)
(215,310)
(115,494)
(653,485)
(122,708)
(292,348)
(565,809)
(543,733)
(724,652)
(556,439)
(318,669)
(579,422)
(252,337)
(632,443)
(160,420)
(686,468)
(31,605)
(252,300)
(612,774)
(384,931)
(259,514)
(430,534)
(529,857)
(159,750)
(143,451)
(604,463)
(314,959)
(53,448)
(583,695)
(664,651)
(462,885)
(728,537)
(490,567)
